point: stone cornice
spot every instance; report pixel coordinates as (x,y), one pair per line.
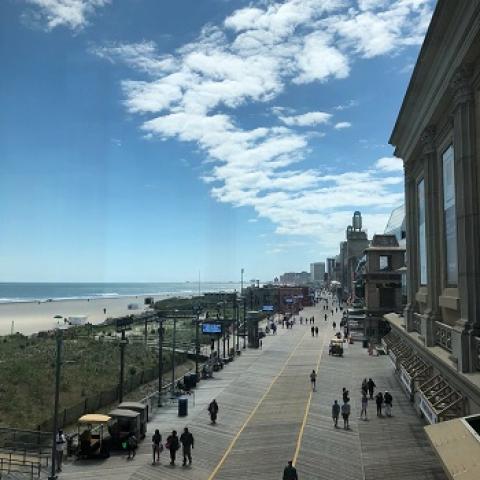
(427,140)
(461,85)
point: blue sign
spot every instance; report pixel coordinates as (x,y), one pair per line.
(211,328)
(288,300)
(267,308)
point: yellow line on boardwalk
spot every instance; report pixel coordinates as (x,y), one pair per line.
(307,408)
(242,428)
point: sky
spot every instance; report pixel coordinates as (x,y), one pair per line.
(146,140)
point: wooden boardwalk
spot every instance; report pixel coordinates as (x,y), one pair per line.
(269,415)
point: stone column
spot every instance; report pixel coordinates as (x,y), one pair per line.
(412,246)
(432,220)
(468,220)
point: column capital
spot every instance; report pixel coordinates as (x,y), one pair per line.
(461,84)
(427,140)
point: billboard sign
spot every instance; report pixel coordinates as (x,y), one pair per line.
(267,308)
(211,328)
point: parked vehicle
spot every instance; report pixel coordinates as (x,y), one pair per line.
(94,438)
(336,347)
(127,422)
(140,408)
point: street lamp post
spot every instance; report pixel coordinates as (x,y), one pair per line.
(174,335)
(160,361)
(197,344)
(123,344)
(58,363)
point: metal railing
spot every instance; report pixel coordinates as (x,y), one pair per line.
(476,352)
(443,336)
(26,468)
(417,323)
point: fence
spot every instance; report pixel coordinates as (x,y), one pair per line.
(26,469)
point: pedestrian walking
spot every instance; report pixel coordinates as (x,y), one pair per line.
(325,317)
(363,413)
(316,331)
(313,331)
(313,320)
(213,410)
(371,387)
(172,445)
(335,413)
(186,439)
(345,395)
(332,311)
(334,325)
(157,446)
(364,386)
(387,398)
(313,380)
(60,442)
(379,402)
(132,445)
(290,472)
(346,415)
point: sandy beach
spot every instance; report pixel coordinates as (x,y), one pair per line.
(33,317)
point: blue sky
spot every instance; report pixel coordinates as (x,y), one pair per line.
(146,141)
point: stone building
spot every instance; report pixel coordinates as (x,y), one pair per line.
(378,288)
(436,344)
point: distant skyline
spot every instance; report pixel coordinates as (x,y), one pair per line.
(146,141)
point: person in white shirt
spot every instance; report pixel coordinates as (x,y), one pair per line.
(60,443)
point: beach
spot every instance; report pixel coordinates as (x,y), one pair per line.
(32,317)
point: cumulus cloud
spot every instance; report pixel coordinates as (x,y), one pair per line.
(72,14)
(342,125)
(390,164)
(307,119)
(254,55)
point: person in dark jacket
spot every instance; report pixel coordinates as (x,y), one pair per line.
(313,331)
(345,395)
(156,446)
(379,401)
(335,413)
(290,472)
(371,387)
(213,410)
(186,439)
(388,399)
(173,445)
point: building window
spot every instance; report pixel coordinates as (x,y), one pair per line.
(385,263)
(450,216)
(422,234)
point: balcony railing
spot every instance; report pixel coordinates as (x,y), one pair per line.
(476,352)
(417,323)
(443,336)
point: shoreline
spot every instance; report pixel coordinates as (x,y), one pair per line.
(32,317)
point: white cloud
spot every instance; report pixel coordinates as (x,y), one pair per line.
(342,125)
(193,95)
(307,119)
(72,14)
(390,164)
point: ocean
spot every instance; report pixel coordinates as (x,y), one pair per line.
(34,292)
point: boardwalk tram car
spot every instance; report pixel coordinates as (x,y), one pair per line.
(128,422)
(94,437)
(142,409)
(336,347)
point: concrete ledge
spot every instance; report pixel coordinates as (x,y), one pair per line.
(467,383)
(452,303)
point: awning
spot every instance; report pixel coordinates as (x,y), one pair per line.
(457,444)
(414,369)
(396,348)
(440,401)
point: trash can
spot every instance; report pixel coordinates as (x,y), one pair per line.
(182,406)
(365,344)
(193,379)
